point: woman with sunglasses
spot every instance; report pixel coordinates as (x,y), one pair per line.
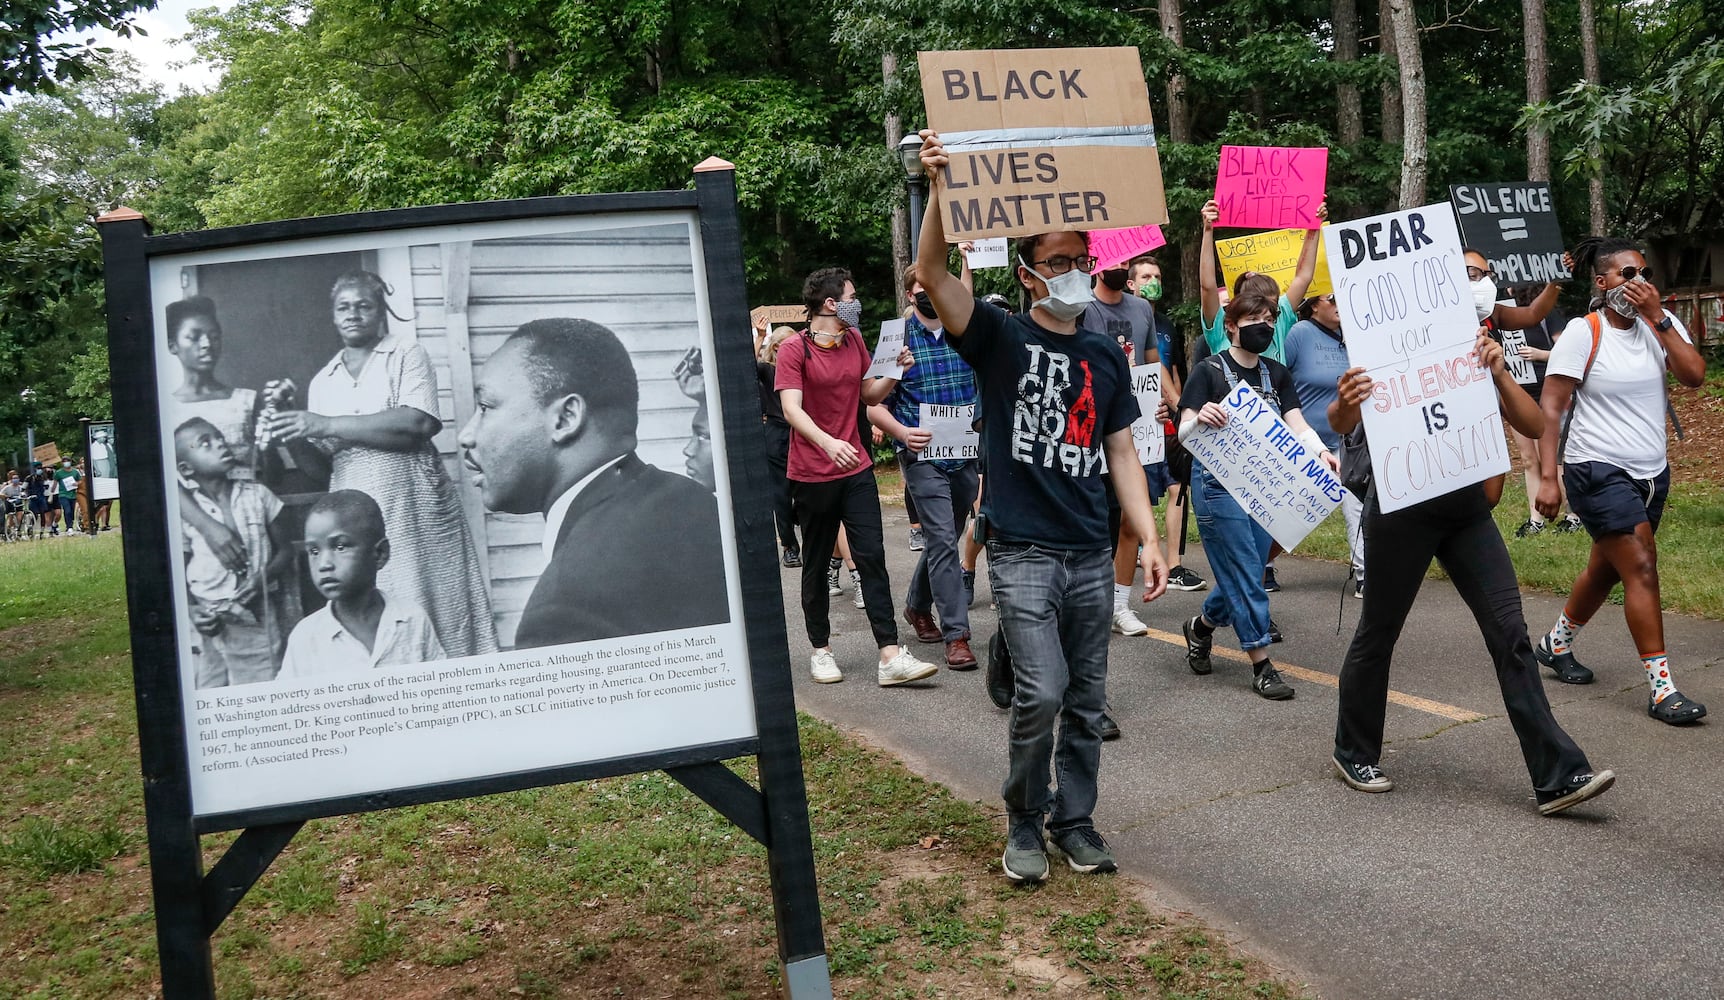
(1316,356)
(1610,364)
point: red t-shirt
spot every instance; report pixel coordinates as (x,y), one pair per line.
(831,382)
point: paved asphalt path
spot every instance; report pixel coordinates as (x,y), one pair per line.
(1451,885)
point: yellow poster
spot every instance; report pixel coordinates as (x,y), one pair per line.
(1275,254)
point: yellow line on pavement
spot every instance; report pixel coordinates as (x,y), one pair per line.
(1436,708)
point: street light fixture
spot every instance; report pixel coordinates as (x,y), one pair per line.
(915,182)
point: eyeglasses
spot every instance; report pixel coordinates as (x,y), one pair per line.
(1631,272)
(1061,264)
(1477,273)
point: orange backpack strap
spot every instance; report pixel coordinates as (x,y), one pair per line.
(1595,323)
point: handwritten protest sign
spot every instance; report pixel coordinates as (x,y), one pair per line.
(1402,291)
(774,315)
(1519,365)
(1515,227)
(1043,140)
(954,431)
(1275,254)
(1275,478)
(1271,187)
(1112,247)
(989,253)
(47,453)
(886,351)
(1146,430)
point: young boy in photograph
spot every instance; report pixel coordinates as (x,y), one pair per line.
(361,627)
(241,638)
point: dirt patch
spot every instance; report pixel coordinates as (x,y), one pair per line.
(1700,458)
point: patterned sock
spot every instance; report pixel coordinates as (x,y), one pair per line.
(1658,675)
(1121,597)
(1562,636)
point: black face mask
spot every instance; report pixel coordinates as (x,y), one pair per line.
(925,305)
(1256,337)
(1114,280)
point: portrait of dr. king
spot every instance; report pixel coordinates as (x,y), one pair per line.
(553,431)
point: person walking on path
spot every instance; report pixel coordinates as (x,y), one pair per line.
(1054,399)
(1146,284)
(1608,372)
(822,388)
(1316,357)
(1456,529)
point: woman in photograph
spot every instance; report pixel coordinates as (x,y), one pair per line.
(373,409)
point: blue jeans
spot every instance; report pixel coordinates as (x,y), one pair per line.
(943,500)
(1237,548)
(1056,607)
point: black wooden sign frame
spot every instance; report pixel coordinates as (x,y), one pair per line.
(190,904)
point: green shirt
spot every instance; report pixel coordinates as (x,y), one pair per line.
(68,480)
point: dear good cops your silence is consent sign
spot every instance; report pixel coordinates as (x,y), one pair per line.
(1043,140)
(1432,419)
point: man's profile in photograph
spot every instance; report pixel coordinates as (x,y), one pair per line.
(631,548)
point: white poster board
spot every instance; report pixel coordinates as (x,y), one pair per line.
(1432,419)
(1146,431)
(1276,479)
(1519,365)
(989,253)
(887,349)
(954,430)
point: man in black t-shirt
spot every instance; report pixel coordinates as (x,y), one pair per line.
(1054,399)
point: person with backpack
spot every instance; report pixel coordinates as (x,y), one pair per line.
(1610,364)
(1237,545)
(1456,529)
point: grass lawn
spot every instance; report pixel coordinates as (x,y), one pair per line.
(628,887)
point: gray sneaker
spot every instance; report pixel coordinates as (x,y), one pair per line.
(1085,851)
(917,539)
(1026,857)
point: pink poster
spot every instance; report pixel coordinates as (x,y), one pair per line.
(1271,187)
(1116,246)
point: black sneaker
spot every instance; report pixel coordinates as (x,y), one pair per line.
(1085,850)
(1197,648)
(1575,790)
(1270,584)
(1677,709)
(1180,578)
(1000,682)
(792,559)
(1359,589)
(1026,856)
(1275,632)
(1567,669)
(1528,528)
(1364,777)
(969,588)
(1109,728)
(1568,525)
(1266,681)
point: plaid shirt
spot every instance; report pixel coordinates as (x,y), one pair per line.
(939,377)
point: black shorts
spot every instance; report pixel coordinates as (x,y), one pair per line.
(1609,501)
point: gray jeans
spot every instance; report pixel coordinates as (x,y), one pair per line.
(1055,612)
(943,500)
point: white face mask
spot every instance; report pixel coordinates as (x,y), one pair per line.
(1068,293)
(1484,297)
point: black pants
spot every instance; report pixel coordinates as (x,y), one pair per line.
(1458,532)
(854,502)
(778,457)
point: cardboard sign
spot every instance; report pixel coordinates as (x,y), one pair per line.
(1275,254)
(1519,365)
(989,253)
(1146,432)
(954,430)
(1405,302)
(47,453)
(1271,187)
(1515,227)
(775,315)
(1284,487)
(886,351)
(1112,247)
(1043,140)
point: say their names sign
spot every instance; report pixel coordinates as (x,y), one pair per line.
(1146,431)
(1043,140)
(953,429)
(1271,187)
(1515,227)
(1257,457)
(1402,291)
(1275,254)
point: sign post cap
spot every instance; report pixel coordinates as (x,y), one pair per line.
(120,213)
(713,163)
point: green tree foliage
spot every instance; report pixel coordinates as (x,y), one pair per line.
(38,50)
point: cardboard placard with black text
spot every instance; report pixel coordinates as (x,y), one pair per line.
(1515,227)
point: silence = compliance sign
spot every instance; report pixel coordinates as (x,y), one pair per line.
(1402,290)
(1043,140)
(1515,226)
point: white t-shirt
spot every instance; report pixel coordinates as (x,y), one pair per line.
(1619,410)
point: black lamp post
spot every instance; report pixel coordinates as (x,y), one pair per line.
(915,182)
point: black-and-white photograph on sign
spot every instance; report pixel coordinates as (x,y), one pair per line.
(446,504)
(104,462)
(1515,226)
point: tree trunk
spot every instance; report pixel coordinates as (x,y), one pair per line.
(1537,88)
(1391,90)
(1344,14)
(1589,63)
(1413,148)
(900,212)
(1178,105)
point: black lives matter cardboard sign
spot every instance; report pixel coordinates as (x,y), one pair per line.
(1043,140)
(1514,226)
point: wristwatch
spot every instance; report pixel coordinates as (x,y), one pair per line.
(1664,325)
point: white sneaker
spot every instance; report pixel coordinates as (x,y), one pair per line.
(856,582)
(904,668)
(1126,622)
(824,666)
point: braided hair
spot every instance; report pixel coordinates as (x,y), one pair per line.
(1593,251)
